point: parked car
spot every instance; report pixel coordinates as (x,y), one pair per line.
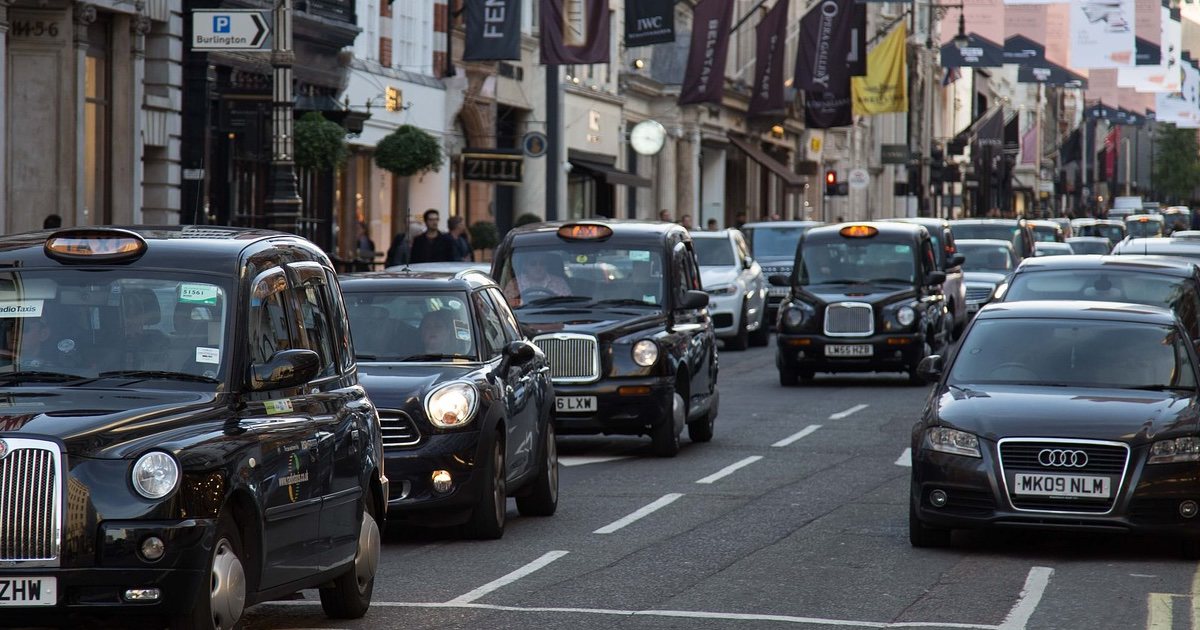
(737,291)
(988,264)
(186,404)
(1046,231)
(1144,225)
(865,297)
(465,400)
(1112,229)
(773,245)
(1087,423)
(949,261)
(1044,248)
(618,309)
(1185,247)
(1016,231)
(1090,244)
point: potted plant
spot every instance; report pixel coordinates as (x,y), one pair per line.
(320,144)
(408,151)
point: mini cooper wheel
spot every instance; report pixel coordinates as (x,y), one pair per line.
(921,535)
(542,499)
(487,519)
(350,595)
(666,436)
(222,597)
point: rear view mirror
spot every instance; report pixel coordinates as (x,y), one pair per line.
(930,368)
(286,368)
(693,300)
(778,280)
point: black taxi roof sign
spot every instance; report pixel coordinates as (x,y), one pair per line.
(584,232)
(859,231)
(95,245)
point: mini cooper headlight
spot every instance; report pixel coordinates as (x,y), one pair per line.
(793,317)
(906,315)
(1000,290)
(645,353)
(725,289)
(155,475)
(953,441)
(1186,449)
(451,405)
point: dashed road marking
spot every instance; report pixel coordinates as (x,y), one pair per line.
(583,460)
(501,582)
(853,410)
(905,458)
(658,504)
(730,469)
(796,436)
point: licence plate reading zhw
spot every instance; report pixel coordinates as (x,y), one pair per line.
(580,404)
(850,350)
(28,591)
(1062,486)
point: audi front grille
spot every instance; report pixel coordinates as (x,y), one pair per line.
(1061,457)
(398,428)
(30,502)
(574,358)
(849,319)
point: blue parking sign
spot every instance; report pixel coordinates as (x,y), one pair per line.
(221,23)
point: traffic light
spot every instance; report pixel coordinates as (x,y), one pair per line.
(831,187)
(937,164)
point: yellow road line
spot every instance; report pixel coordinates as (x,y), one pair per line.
(1158,614)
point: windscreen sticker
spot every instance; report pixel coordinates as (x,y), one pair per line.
(278,406)
(198,293)
(649,299)
(639,255)
(66,345)
(462,330)
(208,355)
(581,259)
(21,308)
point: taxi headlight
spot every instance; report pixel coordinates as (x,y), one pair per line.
(155,474)
(645,353)
(906,315)
(953,441)
(1185,449)
(725,289)
(451,405)
(793,317)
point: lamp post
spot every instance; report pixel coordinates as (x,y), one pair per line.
(935,12)
(1128,162)
(283,200)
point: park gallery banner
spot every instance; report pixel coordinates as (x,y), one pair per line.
(885,88)
(704,79)
(1102,34)
(649,22)
(768,69)
(493,30)
(831,34)
(575,32)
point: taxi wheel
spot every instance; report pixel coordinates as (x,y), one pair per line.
(702,430)
(666,438)
(350,595)
(920,535)
(487,519)
(542,499)
(789,377)
(222,598)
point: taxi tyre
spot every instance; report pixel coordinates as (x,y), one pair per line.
(921,535)
(741,339)
(762,337)
(666,436)
(789,377)
(349,596)
(542,499)
(220,601)
(702,430)
(487,518)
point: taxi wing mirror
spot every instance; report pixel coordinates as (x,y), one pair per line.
(518,352)
(930,368)
(693,300)
(935,277)
(779,280)
(956,260)
(286,368)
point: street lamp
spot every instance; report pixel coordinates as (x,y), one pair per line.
(1128,161)
(936,12)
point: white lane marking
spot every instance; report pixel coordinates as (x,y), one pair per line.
(1159,615)
(660,503)
(796,436)
(1031,596)
(730,469)
(547,558)
(842,414)
(905,458)
(1142,575)
(583,460)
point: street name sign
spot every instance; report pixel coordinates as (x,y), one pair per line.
(230,29)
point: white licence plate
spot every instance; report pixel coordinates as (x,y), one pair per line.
(571,404)
(28,591)
(850,350)
(1062,486)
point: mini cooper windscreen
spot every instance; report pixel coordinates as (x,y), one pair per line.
(856,262)
(411,326)
(583,272)
(71,325)
(772,242)
(713,252)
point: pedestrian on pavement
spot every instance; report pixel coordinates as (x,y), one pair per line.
(664,215)
(400,250)
(739,220)
(462,245)
(686,221)
(711,225)
(433,245)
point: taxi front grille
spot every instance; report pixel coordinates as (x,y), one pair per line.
(978,293)
(574,358)
(398,428)
(849,319)
(30,501)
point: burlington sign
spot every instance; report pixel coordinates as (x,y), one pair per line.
(230,29)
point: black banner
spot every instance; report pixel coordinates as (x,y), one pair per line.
(493,30)
(823,110)
(493,165)
(649,22)
(979,52)
(575,32)
(827,43)
(768,67)
(704,80)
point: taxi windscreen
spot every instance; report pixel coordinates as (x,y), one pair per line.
(101,323)
(856,262)
(773,242)
(583,273)
(411,326)
(1141,229)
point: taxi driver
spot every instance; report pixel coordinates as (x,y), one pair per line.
(534,280)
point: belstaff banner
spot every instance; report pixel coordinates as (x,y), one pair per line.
(768,68)
(493,30)
(885,88)
(704,79)
(649,22)
(827,42)
(575,32)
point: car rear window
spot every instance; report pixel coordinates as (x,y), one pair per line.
(713,252)
(1097,284)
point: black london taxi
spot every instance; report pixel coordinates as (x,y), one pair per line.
(865,297)
(182,432)
(465,399)
(618,309)
(950,261)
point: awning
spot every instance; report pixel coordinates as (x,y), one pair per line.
(602,166)
(790,179)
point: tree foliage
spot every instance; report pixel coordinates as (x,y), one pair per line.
(320,144)
(1176,164)
(527,218)
(484,235)
(408,151)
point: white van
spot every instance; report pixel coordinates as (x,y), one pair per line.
(1125,206)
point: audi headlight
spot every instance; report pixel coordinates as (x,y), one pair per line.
(451,405)
(155,474)
(725,289)
(645,353)
(953,441)
(906,315)
(1178,450)
(793,317)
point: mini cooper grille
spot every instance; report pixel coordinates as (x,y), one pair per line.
(398,428)
(849,319)
(978,294)
(29,504)
(1102,460)
(573,358)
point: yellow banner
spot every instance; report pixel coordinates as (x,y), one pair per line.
(885,88)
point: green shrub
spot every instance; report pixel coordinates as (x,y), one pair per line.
(484,235)
(526,219)
(408,151)
(320,144)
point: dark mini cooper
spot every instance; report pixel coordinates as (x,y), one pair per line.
(182,432)
(865,297)
(465,399)
(618,308)
(1060,415)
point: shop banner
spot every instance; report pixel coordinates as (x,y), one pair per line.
(823,110)
(768,67)
(1167,73)
(575,32)
(493,30)
(885,88)
(827,43)
(1102,34)
(649,22)
(704,79)
(979,52)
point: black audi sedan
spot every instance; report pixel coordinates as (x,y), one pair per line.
(465,399)
(182,431)
(1090,423)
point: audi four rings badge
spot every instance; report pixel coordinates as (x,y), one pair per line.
(1062,458)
